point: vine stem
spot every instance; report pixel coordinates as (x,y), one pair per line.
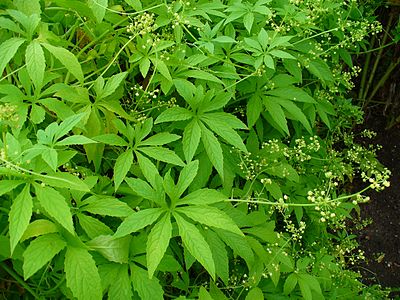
(20,281)
(262,201)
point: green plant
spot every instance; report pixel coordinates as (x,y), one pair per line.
(180,149)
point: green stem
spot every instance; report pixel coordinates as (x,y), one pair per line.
(378,58)
(262,201)
(13,274)
(383,79)
(365,71)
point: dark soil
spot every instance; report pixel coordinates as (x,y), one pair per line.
(381,239)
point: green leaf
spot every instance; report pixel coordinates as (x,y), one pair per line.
(67,125)
(137,221)
(98,8)
(224,130)
(269,61)
(200,74)
(40,251)
(120,287)
(311,281)
(75,140)
(281,54)
(255,294)
(106,206)
(162,68)
(229,119)
(115,250)
(39,227)
(8,24)
(157,243)
(93,227)
(238,244)
(148,169)
(185,88)
(305,289)
(160,139)
(144,66)
(112,83)
(37,114)
(174,114)
(35,63)
(254,109)
(220,255)
(290,283)
(210,216)
(277,114)
(213,149)
(162,154)
(148,289)
(8,50)
(56,206)
(67,59)
(9,185)
(64,180)
(195,243)
(82,275)
(111,139)
(248,21)
(295,112)
(204,295)
(191,139)
(203,197)
(292,93)
(186,177)
(143,189)
(19,216)
(122,166)
(28,7)
(50,156)
(321,70)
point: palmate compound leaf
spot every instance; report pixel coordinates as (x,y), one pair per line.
(40,251)
(210,216)
(157,243)
(195,243)
(82,275)
(20,215)
(55,205)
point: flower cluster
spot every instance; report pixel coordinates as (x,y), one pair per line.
(296,232)
(142,24)
(324,204)
(8,114)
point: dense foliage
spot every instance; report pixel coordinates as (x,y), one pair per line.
(158,149)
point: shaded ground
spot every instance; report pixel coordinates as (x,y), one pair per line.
(381,239)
